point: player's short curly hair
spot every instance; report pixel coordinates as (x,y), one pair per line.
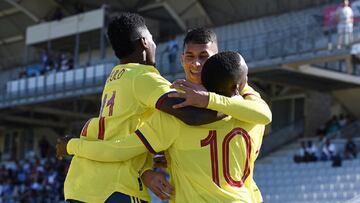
(200,36)
(122,31)
(222,71)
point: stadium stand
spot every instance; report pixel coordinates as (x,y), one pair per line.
(32,179)
(292,62)
(281,180)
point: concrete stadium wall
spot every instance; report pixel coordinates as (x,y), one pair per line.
(317,111)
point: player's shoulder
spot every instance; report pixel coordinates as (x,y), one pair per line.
(135,72)
(149,75)
(135,68)
(141,68)
(248,126)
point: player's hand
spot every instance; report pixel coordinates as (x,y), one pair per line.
(194,94)
(61,144)
(157,183)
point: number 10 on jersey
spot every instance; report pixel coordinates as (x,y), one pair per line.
(211,140)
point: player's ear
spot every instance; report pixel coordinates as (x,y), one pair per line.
(144,43)
(182,57)
(234,90)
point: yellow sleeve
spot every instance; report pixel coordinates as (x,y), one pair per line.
(149,87)
(251,109)
(104,151)
(107,151)
(148,164)
(159,132)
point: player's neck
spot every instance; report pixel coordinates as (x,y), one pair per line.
(132,59)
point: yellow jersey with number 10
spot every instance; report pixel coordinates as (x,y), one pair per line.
(208,163)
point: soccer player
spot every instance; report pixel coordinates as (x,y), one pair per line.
(130,96)
(131,93)
(209,163)
(200,44)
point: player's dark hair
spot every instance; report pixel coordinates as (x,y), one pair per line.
(200,36)
(222,71)
(121,31)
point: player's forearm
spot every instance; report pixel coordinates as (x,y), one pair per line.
(105,151)
(189,115)
(252,111)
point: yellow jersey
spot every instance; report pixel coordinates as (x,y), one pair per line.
(208,163)
(129,96)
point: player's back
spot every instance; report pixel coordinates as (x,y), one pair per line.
(214,162)
(126,99)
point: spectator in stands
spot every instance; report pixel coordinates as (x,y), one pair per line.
(312,151)
(322,139)
(332,127)
(64,62)
(342,121)
(172,49)
(328,151)
(302,154)
(22,74)
(45,60)
(71,62)
(350,149)
(345,20)
(32,180)
(57,63)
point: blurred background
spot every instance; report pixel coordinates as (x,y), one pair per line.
(302,55)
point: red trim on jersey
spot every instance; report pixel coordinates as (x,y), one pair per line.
(161,99)
(249,94)
(101,128)
(84,130)
(145,142)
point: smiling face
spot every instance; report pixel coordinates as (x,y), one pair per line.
(194,57)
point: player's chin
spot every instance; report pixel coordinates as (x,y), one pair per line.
(196,80)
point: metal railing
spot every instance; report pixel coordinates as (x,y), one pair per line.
(294,41)
(275,44)
(65,83)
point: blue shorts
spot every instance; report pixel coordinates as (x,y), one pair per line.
(116,197)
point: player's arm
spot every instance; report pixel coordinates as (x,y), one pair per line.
(152,91)
(248,107)
(150,137)
(189,115)
(106,151)
(102,151)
